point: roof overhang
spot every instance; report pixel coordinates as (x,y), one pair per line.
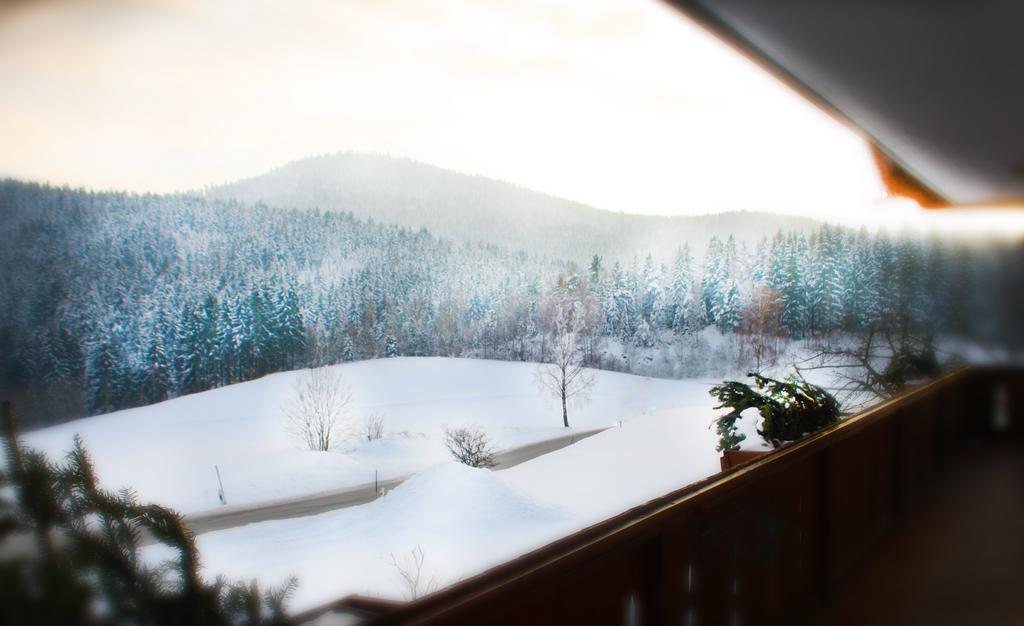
(934,85)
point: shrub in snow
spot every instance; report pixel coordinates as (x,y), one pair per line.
(373,428)
(790,409)
(86,567)
(413,577)
(319,409)
(470,446)
(644,336)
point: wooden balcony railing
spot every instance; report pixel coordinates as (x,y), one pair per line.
(767,542)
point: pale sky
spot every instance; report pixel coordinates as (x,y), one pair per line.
(620,104)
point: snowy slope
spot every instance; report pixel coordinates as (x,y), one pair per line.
(623,467)
(168,451)
(462,519)
(466,520)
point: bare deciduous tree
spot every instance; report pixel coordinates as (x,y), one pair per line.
(411,571)
(885,357)
(318,413)
(761,332)
(470,446)
(564,375)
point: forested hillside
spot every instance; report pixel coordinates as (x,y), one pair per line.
(113,300)
(478,209)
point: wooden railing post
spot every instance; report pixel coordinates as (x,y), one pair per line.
(825,556)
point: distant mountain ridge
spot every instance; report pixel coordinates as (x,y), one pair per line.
(466,207)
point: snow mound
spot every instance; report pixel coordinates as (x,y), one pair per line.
(460,519)
(622,467)
(451,494)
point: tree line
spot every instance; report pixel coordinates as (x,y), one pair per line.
(115,300)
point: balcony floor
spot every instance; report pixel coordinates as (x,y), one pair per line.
(958,558)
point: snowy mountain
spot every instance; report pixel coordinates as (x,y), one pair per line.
(474,208)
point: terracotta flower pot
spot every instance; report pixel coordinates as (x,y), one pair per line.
(734,456)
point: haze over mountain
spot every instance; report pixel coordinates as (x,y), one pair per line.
(474,208)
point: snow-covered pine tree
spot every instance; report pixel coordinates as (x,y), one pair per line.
(209,350)
(188,351)
(711,280)
(827,287)
(793,293)
(621,309)
(105,377)
(290,331)
(727,309)
(679,307)
(154,378)
(390,346)
(644,336)
(862,290)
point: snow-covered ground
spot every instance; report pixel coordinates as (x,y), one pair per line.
(168,451)
(465,520)
(461,520)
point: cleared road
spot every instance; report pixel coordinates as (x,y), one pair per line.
(359,494)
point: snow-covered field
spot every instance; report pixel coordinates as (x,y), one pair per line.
(463,520)
(168,451)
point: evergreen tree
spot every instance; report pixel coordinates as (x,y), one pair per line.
(225,345)
(828,285)
(347,348)
(621,311)
(711,280)
(105,377)
(727,308)
(208,345)
(793,293)
(86,567)
(596,272)
(188,351)
(154,381)
(644,336)
(390,346)
(289,332)
(680,313)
